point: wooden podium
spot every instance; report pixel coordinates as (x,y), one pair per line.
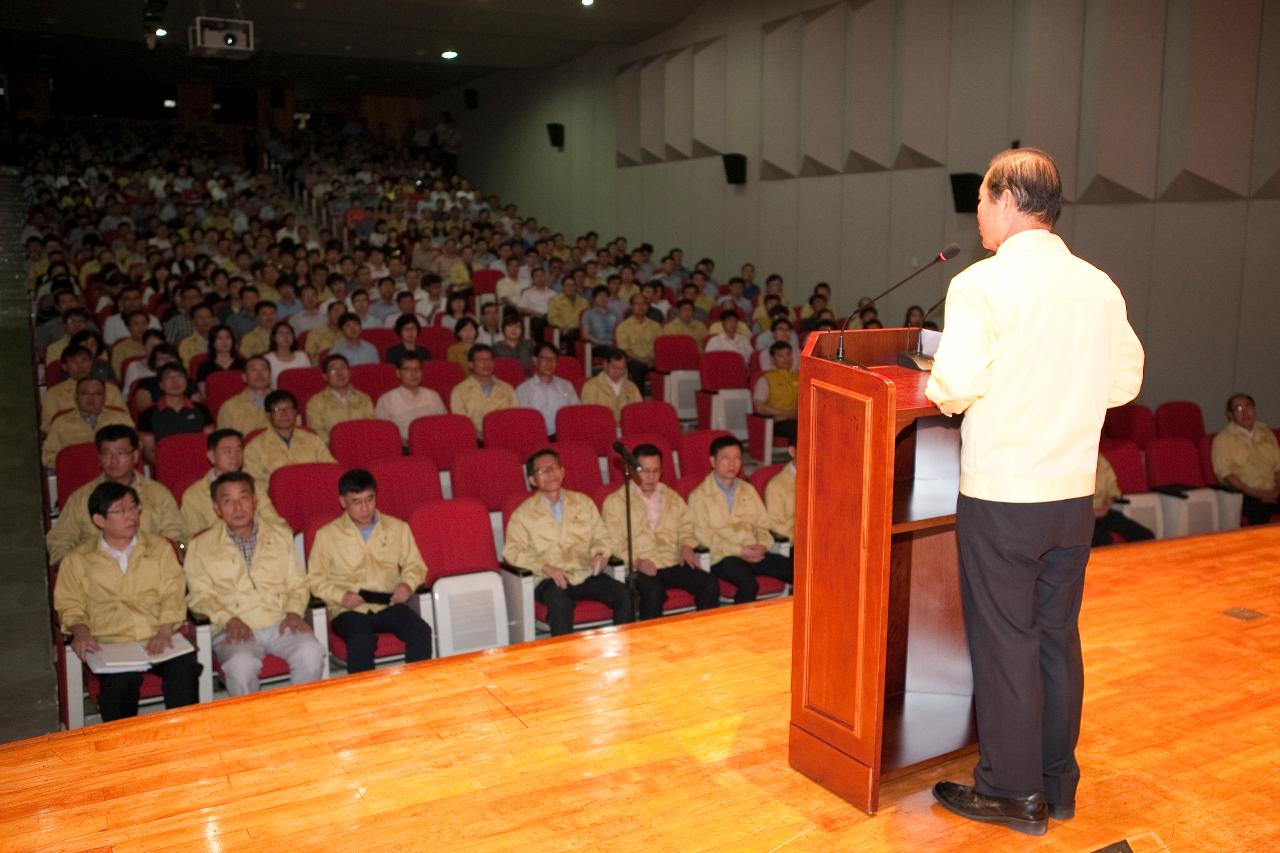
(880,678)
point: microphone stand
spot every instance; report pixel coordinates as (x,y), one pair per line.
(916,359)
(631,569)
(946,254)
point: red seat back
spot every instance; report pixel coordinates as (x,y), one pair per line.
(509,370)
(374,379)
(75,465)
(653,417)
(405,484)
(761,476)
(441,438)
(179,456)
(304,492)
(520,430)
(440,375)
(54,372)
(568,367)
(303,383)
(1205,447)
(382,339)
(720,370)
(436,341)
(357,443)
(485,281)
(221,387)
(1173,462)
(695,450)
(193,369)
(587,423)
(1126,460)
(675,352)
(1131,422)
(489,476)
(581,466)
(455,538)
(631,442)
(1179,419)
(600,493)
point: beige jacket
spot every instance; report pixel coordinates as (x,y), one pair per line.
(62,397)
(70,428)
(342,561)
(661,545)
(535,539)
(325,409)
(197,505)
(599,391)
(121,607)
(242,415)
(220,586)
(469,399)
(160,517)
(726,532)
(780,500)
(268,452)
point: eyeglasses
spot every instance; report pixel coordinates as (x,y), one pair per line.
(546,469)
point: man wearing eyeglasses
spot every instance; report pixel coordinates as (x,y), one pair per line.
(283,443)
(118,450)
(1246,458)
(125,586)
(558,535)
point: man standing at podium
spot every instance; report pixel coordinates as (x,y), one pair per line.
(1037,347)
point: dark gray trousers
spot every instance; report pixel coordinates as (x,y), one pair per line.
(1021,582)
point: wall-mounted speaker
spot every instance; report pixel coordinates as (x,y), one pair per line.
(471,98)
(964,191)
(735,168)
(555,132)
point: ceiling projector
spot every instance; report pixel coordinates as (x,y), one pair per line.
(221,38)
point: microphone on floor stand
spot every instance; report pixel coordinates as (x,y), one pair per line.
(948,252)
(633,464)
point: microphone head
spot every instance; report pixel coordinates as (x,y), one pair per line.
(949,251)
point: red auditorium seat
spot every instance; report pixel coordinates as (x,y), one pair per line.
(1205,448)
(653,417)
(588,423)
(484,283)
(221,387)
(509,370)
(405,484)
(193,369)
(441,438)
(1126,461)
(670,474)
(436,341)
(304,492)
(179,456)
(581,466)
(718,371)
(440,376)
(489,475)
(302,383)
(454,538)
(695,450)
(1179,419)
(761,476)
(54,372)
(521,431)
(374,379)
(1131,422)
(1173,462)
(568,367)
(383,339)
(75,465)
(357,443)
(671,353)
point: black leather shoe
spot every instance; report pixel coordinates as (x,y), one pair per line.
(1062,811)
(1028,815)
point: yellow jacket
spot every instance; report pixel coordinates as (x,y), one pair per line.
(121,607)
(342,561)
(599,391)
(191,346)
(1106,486)
(267,452)
(123,350)
(564,313)
(197,505)
(324,410)
(1254,459)
(695,329)
(535,539)
(780,500)
(62,397)
(468,398)
(220,587)
(319,339)
(636,337)
(255,342)
(663,545)
(723,531)
(70,428)
(160,517)
(241,414)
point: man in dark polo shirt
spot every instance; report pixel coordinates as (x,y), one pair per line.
(175,412)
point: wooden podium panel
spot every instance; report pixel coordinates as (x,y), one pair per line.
(881,682)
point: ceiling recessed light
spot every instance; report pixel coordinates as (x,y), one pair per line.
(588,2)
(161,32)
(169,103)
(449,54)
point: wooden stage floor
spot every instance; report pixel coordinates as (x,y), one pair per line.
(672,737)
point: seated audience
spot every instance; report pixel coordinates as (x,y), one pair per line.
(407,328)
(124,585)
(117,447)
(339,401)
(243,574)
(258,339)
(246,411)
(222,354)
(284,443)
(598,321)
(514,344)
(558,535)
(202,322)
(780,498)
(77,363)
(365,551)
(662,541)
(133,345)
(174,413)
(1246,458)
(490,327)
(1108,520)
(685,323)
(79,425)
(405,404)
(284,353)
(611,387)
(635,336)
(776,393)
(564,312)
(731,520)
(732,338)
(351,346)
(544,391)
(327,335)
(481,392)
(225,451)
(464,333)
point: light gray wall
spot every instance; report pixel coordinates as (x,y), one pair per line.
(1164,116)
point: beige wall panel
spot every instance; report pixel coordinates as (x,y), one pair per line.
(780,99)
(923,71)
(1118,239)
(822,91)
(864,239)
(652,147)
(819,231)
(1259,307)
(920,205)
(709,97)
(626,100)
(677,103)
(1047,44)
(1266,134)
(979,92)
(706,229)
(869,86)
(778,235)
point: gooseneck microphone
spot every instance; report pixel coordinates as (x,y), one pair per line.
(627,456)
(948,252)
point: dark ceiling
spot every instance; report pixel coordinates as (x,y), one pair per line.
(325,48)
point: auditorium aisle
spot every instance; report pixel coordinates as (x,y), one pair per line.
(27,684)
